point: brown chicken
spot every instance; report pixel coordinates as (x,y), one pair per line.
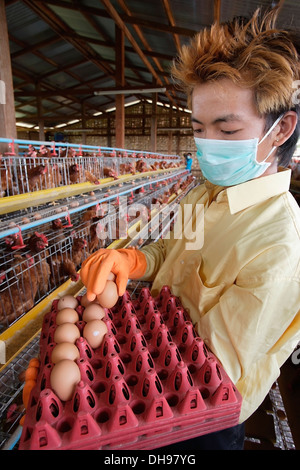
(74,173)
(86,219)
(79,251)
(126,168)
(110,173)
(37,245)
(91,178)
(31,151)
(6,185)
(64,265)
(52,177)
(45,152)
(88,223)
(94,242)
(18,288)
(56,231)
(67,152)
(34,179)
(141,166)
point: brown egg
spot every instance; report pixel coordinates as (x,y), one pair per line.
(111,277)
(66,333)
(64,377)
(94,332)
(64,351)
(66,315)
(85,302)
(93,312)
(67,301)
(109,296)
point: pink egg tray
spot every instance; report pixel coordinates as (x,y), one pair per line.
(151,383)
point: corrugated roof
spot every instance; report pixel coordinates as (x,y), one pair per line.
(68,47)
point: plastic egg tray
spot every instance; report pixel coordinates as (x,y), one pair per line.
(151,383)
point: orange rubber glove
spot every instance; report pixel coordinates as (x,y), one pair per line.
(124,263)
(30,377)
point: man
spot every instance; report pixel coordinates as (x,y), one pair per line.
(241,286)
(188,161)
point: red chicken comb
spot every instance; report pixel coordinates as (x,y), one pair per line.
(21,244)
(42,237)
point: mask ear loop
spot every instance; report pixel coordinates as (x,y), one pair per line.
(266,135)
(271,128)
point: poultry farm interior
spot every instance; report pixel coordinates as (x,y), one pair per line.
(61,203)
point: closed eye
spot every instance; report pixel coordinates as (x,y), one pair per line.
(230,132)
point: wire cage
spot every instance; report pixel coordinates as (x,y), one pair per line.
(46,166)
(21,175)
(26,276)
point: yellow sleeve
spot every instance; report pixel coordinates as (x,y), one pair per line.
(256,316)
(157,252)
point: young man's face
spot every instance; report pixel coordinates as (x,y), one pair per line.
(224,111)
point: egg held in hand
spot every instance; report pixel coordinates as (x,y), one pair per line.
(84,302)
(109,297)
(64,377)
(94,332)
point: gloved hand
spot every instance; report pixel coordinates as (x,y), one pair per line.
(30,377)
(124,263)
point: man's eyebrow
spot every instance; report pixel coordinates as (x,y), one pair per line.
(226,118)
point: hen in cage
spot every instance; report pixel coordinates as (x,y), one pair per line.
(6,178)
(65,259)
(37,245)
(88,224)
(30,178)
(18,288)
(74,174)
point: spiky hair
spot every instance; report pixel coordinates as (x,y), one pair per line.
(252,53)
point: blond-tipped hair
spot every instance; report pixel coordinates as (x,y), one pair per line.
(253,53)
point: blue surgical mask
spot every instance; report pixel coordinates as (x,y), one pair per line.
(231,162)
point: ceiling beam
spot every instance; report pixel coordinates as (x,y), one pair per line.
(131,19)
(158,26)
(171,20)
(60,27)
(141,36)
(47,60)
(116,17)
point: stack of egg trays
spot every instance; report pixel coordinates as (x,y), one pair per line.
(151,383)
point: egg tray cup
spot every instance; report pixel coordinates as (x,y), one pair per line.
(151,383)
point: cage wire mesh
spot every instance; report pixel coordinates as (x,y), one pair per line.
(40,171)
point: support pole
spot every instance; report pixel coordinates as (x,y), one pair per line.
(120,81)
(40,113)
(154,123)
(7,104)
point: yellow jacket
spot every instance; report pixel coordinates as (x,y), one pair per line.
(240,279)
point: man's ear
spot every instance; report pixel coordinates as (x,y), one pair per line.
(285,128)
